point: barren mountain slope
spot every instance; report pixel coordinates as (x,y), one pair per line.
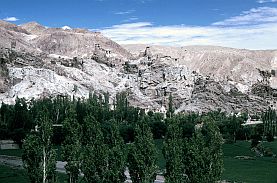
(7,36)
(33,28)
(239,66)
(56,61)
(72,42)
(76,44)
(12,27)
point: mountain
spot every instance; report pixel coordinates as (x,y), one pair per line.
(33,28)
(37,61)
(12,27)
(70,42)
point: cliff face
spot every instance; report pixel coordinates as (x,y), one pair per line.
(37,61)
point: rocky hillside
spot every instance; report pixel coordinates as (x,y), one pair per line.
(238,66)
(37,61)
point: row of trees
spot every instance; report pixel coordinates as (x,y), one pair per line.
(103,157)
(101,142)
(17,120)
(93,144)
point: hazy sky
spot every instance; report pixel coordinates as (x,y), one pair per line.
(235,23)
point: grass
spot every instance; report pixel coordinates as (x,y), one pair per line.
(18,152)
(252,171)
(240,148)
(11,152)
(12,175)
(262,169)
(15,175)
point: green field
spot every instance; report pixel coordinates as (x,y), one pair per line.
(12,152)
(13,175)
(18,152)
(259,170)
(262,169)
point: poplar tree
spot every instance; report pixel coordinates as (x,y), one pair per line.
(95,152)
(203,154)
(71,147)
(173,153)
(116,155)
(269,123)
(48,153)
(31,157)
(170,110)
(142,155)
(39,157)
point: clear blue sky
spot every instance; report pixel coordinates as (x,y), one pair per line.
(105,14)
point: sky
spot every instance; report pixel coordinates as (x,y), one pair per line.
(250,24)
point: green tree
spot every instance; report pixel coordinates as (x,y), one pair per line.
(21,118)
(214,157)
(121,106)
(48,153)
(81,111)
(21,121)
(157,125)
(38,153)
(269,123)
(116,155)
(195,158)
(203,154)
(142,155)
(32,157)
(95,152)
(106,106)
(7,118)
(173,153)
(71,147)
(233,126)
(170,110)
